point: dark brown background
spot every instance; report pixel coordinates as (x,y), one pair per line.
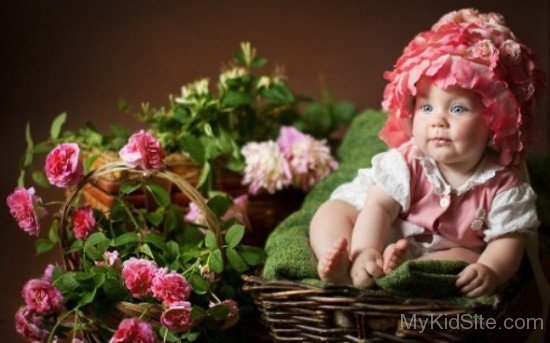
(81,57)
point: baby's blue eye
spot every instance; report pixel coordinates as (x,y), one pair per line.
(426,108)
(458,109)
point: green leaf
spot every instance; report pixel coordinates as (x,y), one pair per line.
(146,250)
(96,245)
(156,217)
(205,174)
(52,234)
(89,161)
(57,123)
(194,147)
(210,240)
(343,112)
(278,94)
(253,256)
(219,204)
(155,240)
(199,285)
(167,335)
(114,289)
(87,297)
(233,98)
(258,62)
(173,218)
(192,336)
(234,235)
(215,261)
(127,188)
(67,282)
(76,246)
(198,313)
(160,195)
(125,238)
(235,260)
(40,179)
(219,311)
(191,234)
(42,245)
(172,250)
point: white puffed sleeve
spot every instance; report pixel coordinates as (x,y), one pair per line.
(389,171)
(513,210)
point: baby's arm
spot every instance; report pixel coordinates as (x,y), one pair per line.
(498,262)
(369,236)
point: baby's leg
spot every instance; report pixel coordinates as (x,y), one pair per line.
(457,253)
(330,234)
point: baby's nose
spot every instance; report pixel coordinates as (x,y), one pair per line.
(439,121)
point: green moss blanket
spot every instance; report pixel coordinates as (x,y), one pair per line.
(289,255)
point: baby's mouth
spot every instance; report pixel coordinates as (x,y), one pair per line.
(440,140)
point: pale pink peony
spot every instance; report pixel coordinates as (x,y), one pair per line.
(83,222)
(233,315)
(310,159)
(41,296)
(28,323)
(26,208)
(237,210)
(48,273)
(143,150)
(132,330)
(138,276)
(266,167)
(110,259)
(177,317)
(170,287)
(63,167)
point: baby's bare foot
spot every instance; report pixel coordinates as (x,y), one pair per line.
(394,254)
(334,266)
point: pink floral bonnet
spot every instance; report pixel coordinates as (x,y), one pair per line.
(475,51)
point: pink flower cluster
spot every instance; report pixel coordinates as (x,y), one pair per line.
(237,210)
(142,277)
(475,51)
(83,222)
(26,208)
(132,330)
(295,159)
(143,150)
(63,167)
(177,317)
(41,298)
(110,259)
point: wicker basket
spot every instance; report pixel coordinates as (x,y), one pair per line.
(297,312)
(71,261)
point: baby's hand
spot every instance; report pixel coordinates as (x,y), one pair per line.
(476,279)
(366,266)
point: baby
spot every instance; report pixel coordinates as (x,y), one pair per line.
(459,105)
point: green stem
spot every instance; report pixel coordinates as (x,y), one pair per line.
(59,321)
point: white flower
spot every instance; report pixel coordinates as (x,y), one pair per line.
(188,92)
(266,167)
(231,74)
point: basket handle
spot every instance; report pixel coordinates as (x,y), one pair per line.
(186,188)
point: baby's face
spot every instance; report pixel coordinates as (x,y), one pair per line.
(447,124)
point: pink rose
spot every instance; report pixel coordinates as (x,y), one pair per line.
(133,331)
(143,150)
(48,273)
(63,168)
(83,222)
(177,317)
(170,287)
(233,315)
(138,276)
(41,296)
(28,324)
(26,208)
(237,210)
(110,259)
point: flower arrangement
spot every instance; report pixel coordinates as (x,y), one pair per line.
(249,108)
(133,274)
